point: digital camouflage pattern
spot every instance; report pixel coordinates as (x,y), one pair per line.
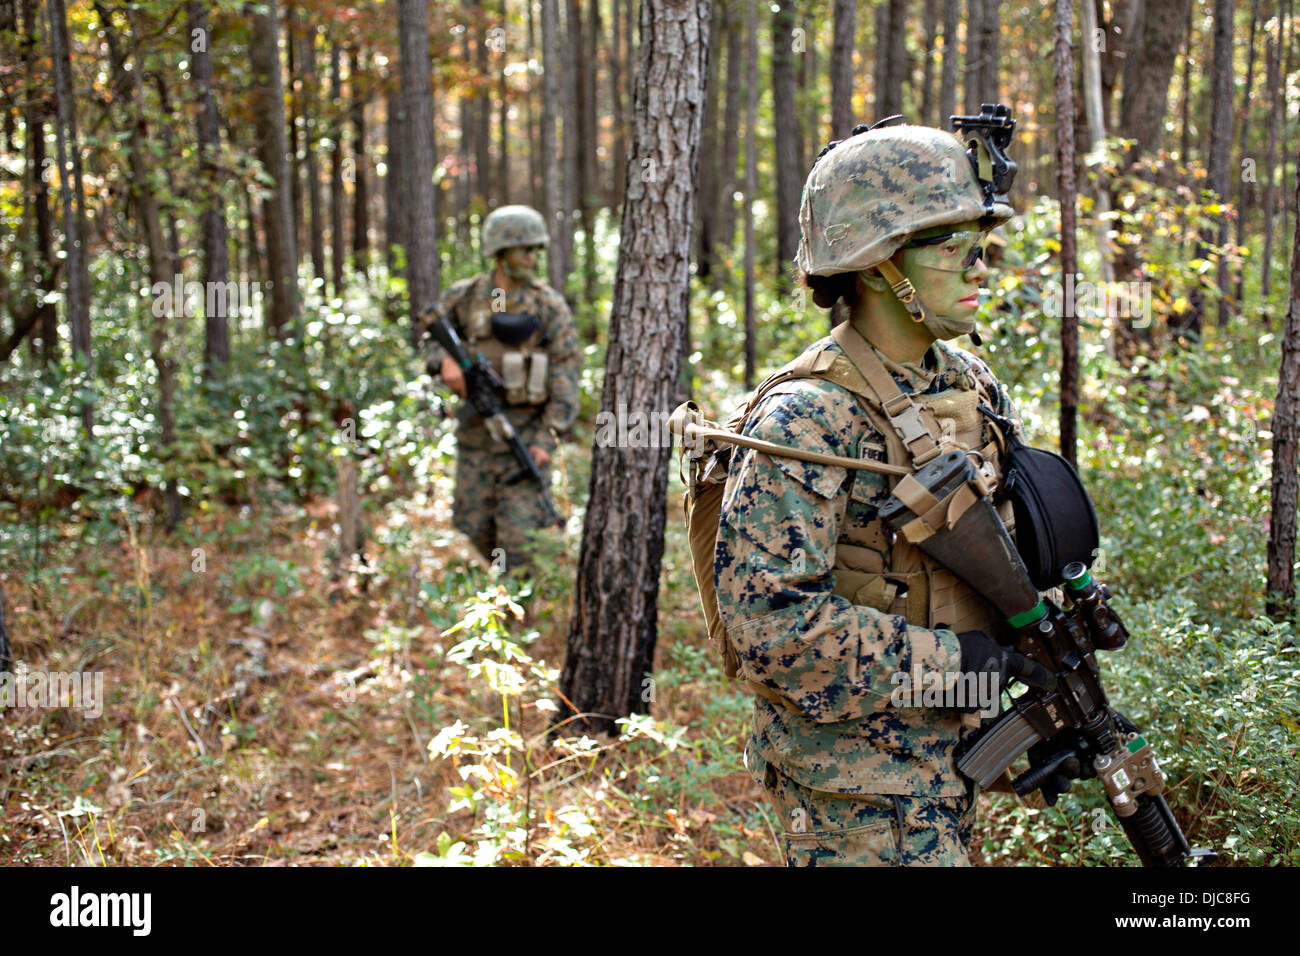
(865,197)
(489,514)
(780,524)
(825,829)
(513,226)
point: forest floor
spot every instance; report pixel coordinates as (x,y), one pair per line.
(262,711)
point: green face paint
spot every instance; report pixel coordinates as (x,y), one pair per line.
(519,262)
(948,287)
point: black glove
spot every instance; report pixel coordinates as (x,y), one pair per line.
(983,655)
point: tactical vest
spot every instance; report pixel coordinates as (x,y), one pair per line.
(872,567)
(523,366)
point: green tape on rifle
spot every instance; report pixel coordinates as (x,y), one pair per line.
(1035,613)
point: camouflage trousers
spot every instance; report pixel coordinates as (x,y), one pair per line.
(835,829)
(494,515)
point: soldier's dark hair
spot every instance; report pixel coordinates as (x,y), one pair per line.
(827,290)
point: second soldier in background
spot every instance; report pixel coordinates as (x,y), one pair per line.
(524,328)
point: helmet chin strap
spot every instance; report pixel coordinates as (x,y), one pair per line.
(906,293)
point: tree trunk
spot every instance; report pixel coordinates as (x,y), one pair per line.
(268,100)
(891,57)
(1222,104)
(360,165)
(614,627)
(730,132)
(1096,134)
(162,267)
(789,180)
(842,119)
(557,259)
(311,116)
(706,232)
(951,52)
(503,158)
(395,187)
(482,115)
(338,244)
(1064,70)
(291,45)
(216,235)
(420,201)
(1286,433)
(1144,103)
(751,185)
(1273,95)
(571,106)
(42,256)
(1246,193)
(616,71)
(930,16)
(974,56)
(1185,150)
(990,53)
(73,191)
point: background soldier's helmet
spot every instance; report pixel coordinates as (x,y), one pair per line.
(867,195)
(513,226)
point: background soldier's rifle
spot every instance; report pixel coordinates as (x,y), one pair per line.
(483,390)
(1068,730)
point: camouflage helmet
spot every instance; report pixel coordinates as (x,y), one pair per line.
(513,226)
(867,195)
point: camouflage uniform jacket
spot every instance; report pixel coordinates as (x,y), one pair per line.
(539,425)
(780,521)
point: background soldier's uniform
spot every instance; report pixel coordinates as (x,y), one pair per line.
(492,513)
(857,780)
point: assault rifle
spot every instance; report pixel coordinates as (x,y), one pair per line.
(483,390)
(1068,730)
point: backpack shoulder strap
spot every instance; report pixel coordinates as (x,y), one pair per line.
(915,426)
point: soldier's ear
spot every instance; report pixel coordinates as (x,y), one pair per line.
(873,280)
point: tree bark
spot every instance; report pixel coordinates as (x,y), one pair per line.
(42,256)
(843,32)
(614,627)
(891,57)
(974,56)
(1245,188)
(73,192)
(1096,135)
(420,201)
(357,80)
(1273,95)
(730,131)
(338,242)
(1222,105)
(990,53)
(311,116)
(503,134)
(789,180)
(930,16)
(706,233)
(395,187)
(616,71)
(1285,484)
(268,99)
(948,79)
(558,255)
(216,234)
(751,186)
(1064,70)
(482,115)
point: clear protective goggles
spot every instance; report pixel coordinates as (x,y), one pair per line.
(950,251)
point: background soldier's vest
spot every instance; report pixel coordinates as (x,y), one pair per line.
(522,365)
(897,577)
